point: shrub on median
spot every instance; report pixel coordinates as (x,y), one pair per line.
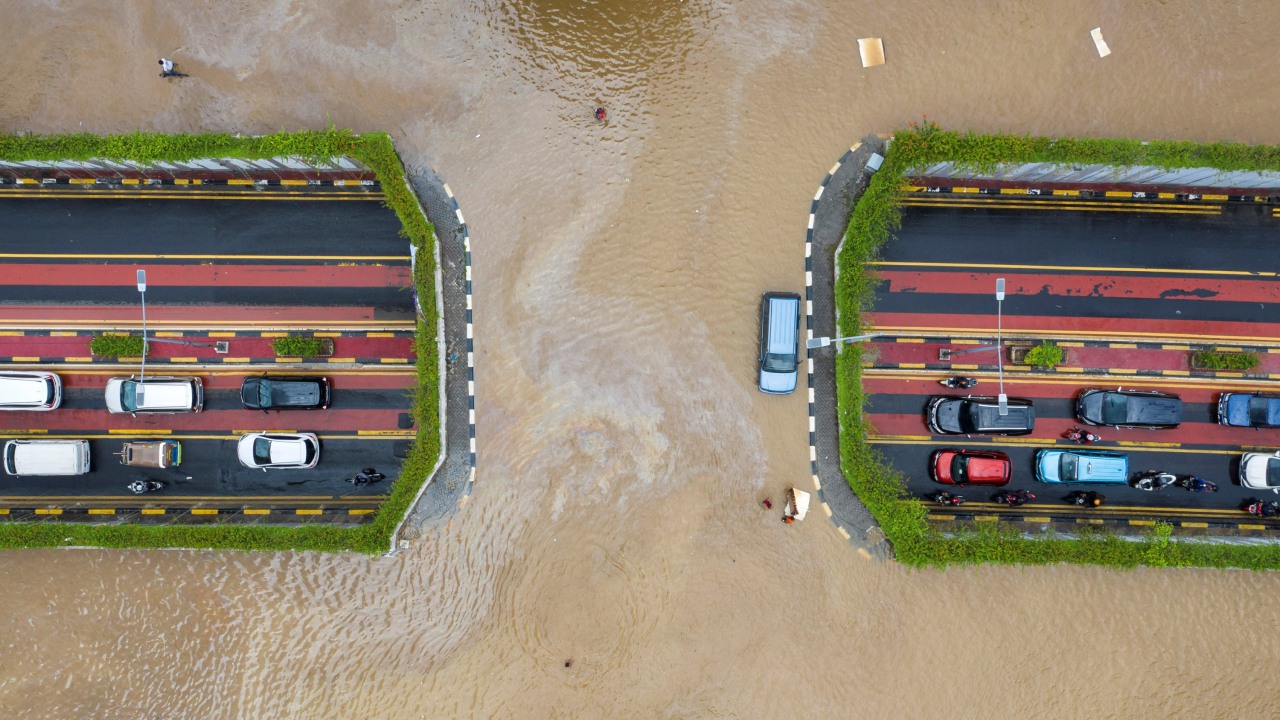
(115,346)
(875,216)
(1217,360)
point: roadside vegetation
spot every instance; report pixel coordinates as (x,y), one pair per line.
(374,150)
(116,346)
(872,223)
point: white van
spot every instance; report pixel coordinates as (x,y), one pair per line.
(155,395)
(46,457)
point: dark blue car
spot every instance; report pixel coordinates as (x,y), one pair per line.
(1257,410)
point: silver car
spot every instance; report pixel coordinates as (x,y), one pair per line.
(30,390)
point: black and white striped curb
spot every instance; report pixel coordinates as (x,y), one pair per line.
(808,302)
(470,338)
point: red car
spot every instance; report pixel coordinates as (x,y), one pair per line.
(970,467)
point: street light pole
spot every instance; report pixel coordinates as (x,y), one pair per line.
(142,290)
(821,342)
(1003,400)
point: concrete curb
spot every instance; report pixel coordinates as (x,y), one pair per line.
(828,216)
(451,484)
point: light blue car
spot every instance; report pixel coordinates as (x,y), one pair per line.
(1098,467)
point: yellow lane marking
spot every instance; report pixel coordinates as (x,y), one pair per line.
(48,511)
(969,204)
(360,511)
(308,511)
(980,332)
(1090,521)
(1142,522)
(178,499)
(380,334)
(256,511)
(268,195)
(204,511)
(1074,268)
(25,358)
(370,370)
(102,511)
(132,431)
(1037,519)
(1188,524)
(1251,526)
(941,517)
(152,511)
(1144,380)
(1047,442)
(166,256)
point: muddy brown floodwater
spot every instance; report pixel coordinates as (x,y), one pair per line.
(622,444)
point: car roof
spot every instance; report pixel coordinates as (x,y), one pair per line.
(784,316)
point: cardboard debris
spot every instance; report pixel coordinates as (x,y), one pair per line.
(872,51)
(1103,50)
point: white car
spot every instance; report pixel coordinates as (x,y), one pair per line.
(278,450)
(1260,471)
(30,390)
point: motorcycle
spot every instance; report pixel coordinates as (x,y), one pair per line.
(1195,483)
(942,497)
(145,486)
(1153,480)
(1083,437)
(366,476)
(1014,498)
(959,382)
(1268,508)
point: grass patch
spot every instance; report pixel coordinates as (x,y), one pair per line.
(1046,354)
(298,347)
(114,346)
(374,150)
(881,488)
(1217,360)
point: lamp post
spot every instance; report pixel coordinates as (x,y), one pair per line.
(142,290)
(821,342)
(219,347)
(1003,399)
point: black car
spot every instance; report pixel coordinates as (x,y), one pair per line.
(285,393)
(1129,408)
(950,415)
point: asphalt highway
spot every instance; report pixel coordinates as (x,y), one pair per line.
(218,268)
(1133,273)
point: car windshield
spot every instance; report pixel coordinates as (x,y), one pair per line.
(1115,409)
(310,451)
(1273,472)
(264,394)
(129,395)
(774,362)
(262,451)
(959,468)
(1069,467)
(1258,407)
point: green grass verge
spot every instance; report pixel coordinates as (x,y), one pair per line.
(873,221)
(1215,360)
(116,345)
(374,150)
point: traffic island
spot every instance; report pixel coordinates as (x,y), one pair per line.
(925,161)
(332,165)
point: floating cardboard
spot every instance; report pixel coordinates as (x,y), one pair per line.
(872,51)
(1101,44)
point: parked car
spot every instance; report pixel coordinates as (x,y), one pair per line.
(1257,410)
(1129,408)
(30,390)
(264,451)
(779,342)
(155,395)
(284,393)
(970,467)
(952,415)
(1101,467)
(1260,471)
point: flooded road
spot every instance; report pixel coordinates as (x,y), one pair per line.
(614,561)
